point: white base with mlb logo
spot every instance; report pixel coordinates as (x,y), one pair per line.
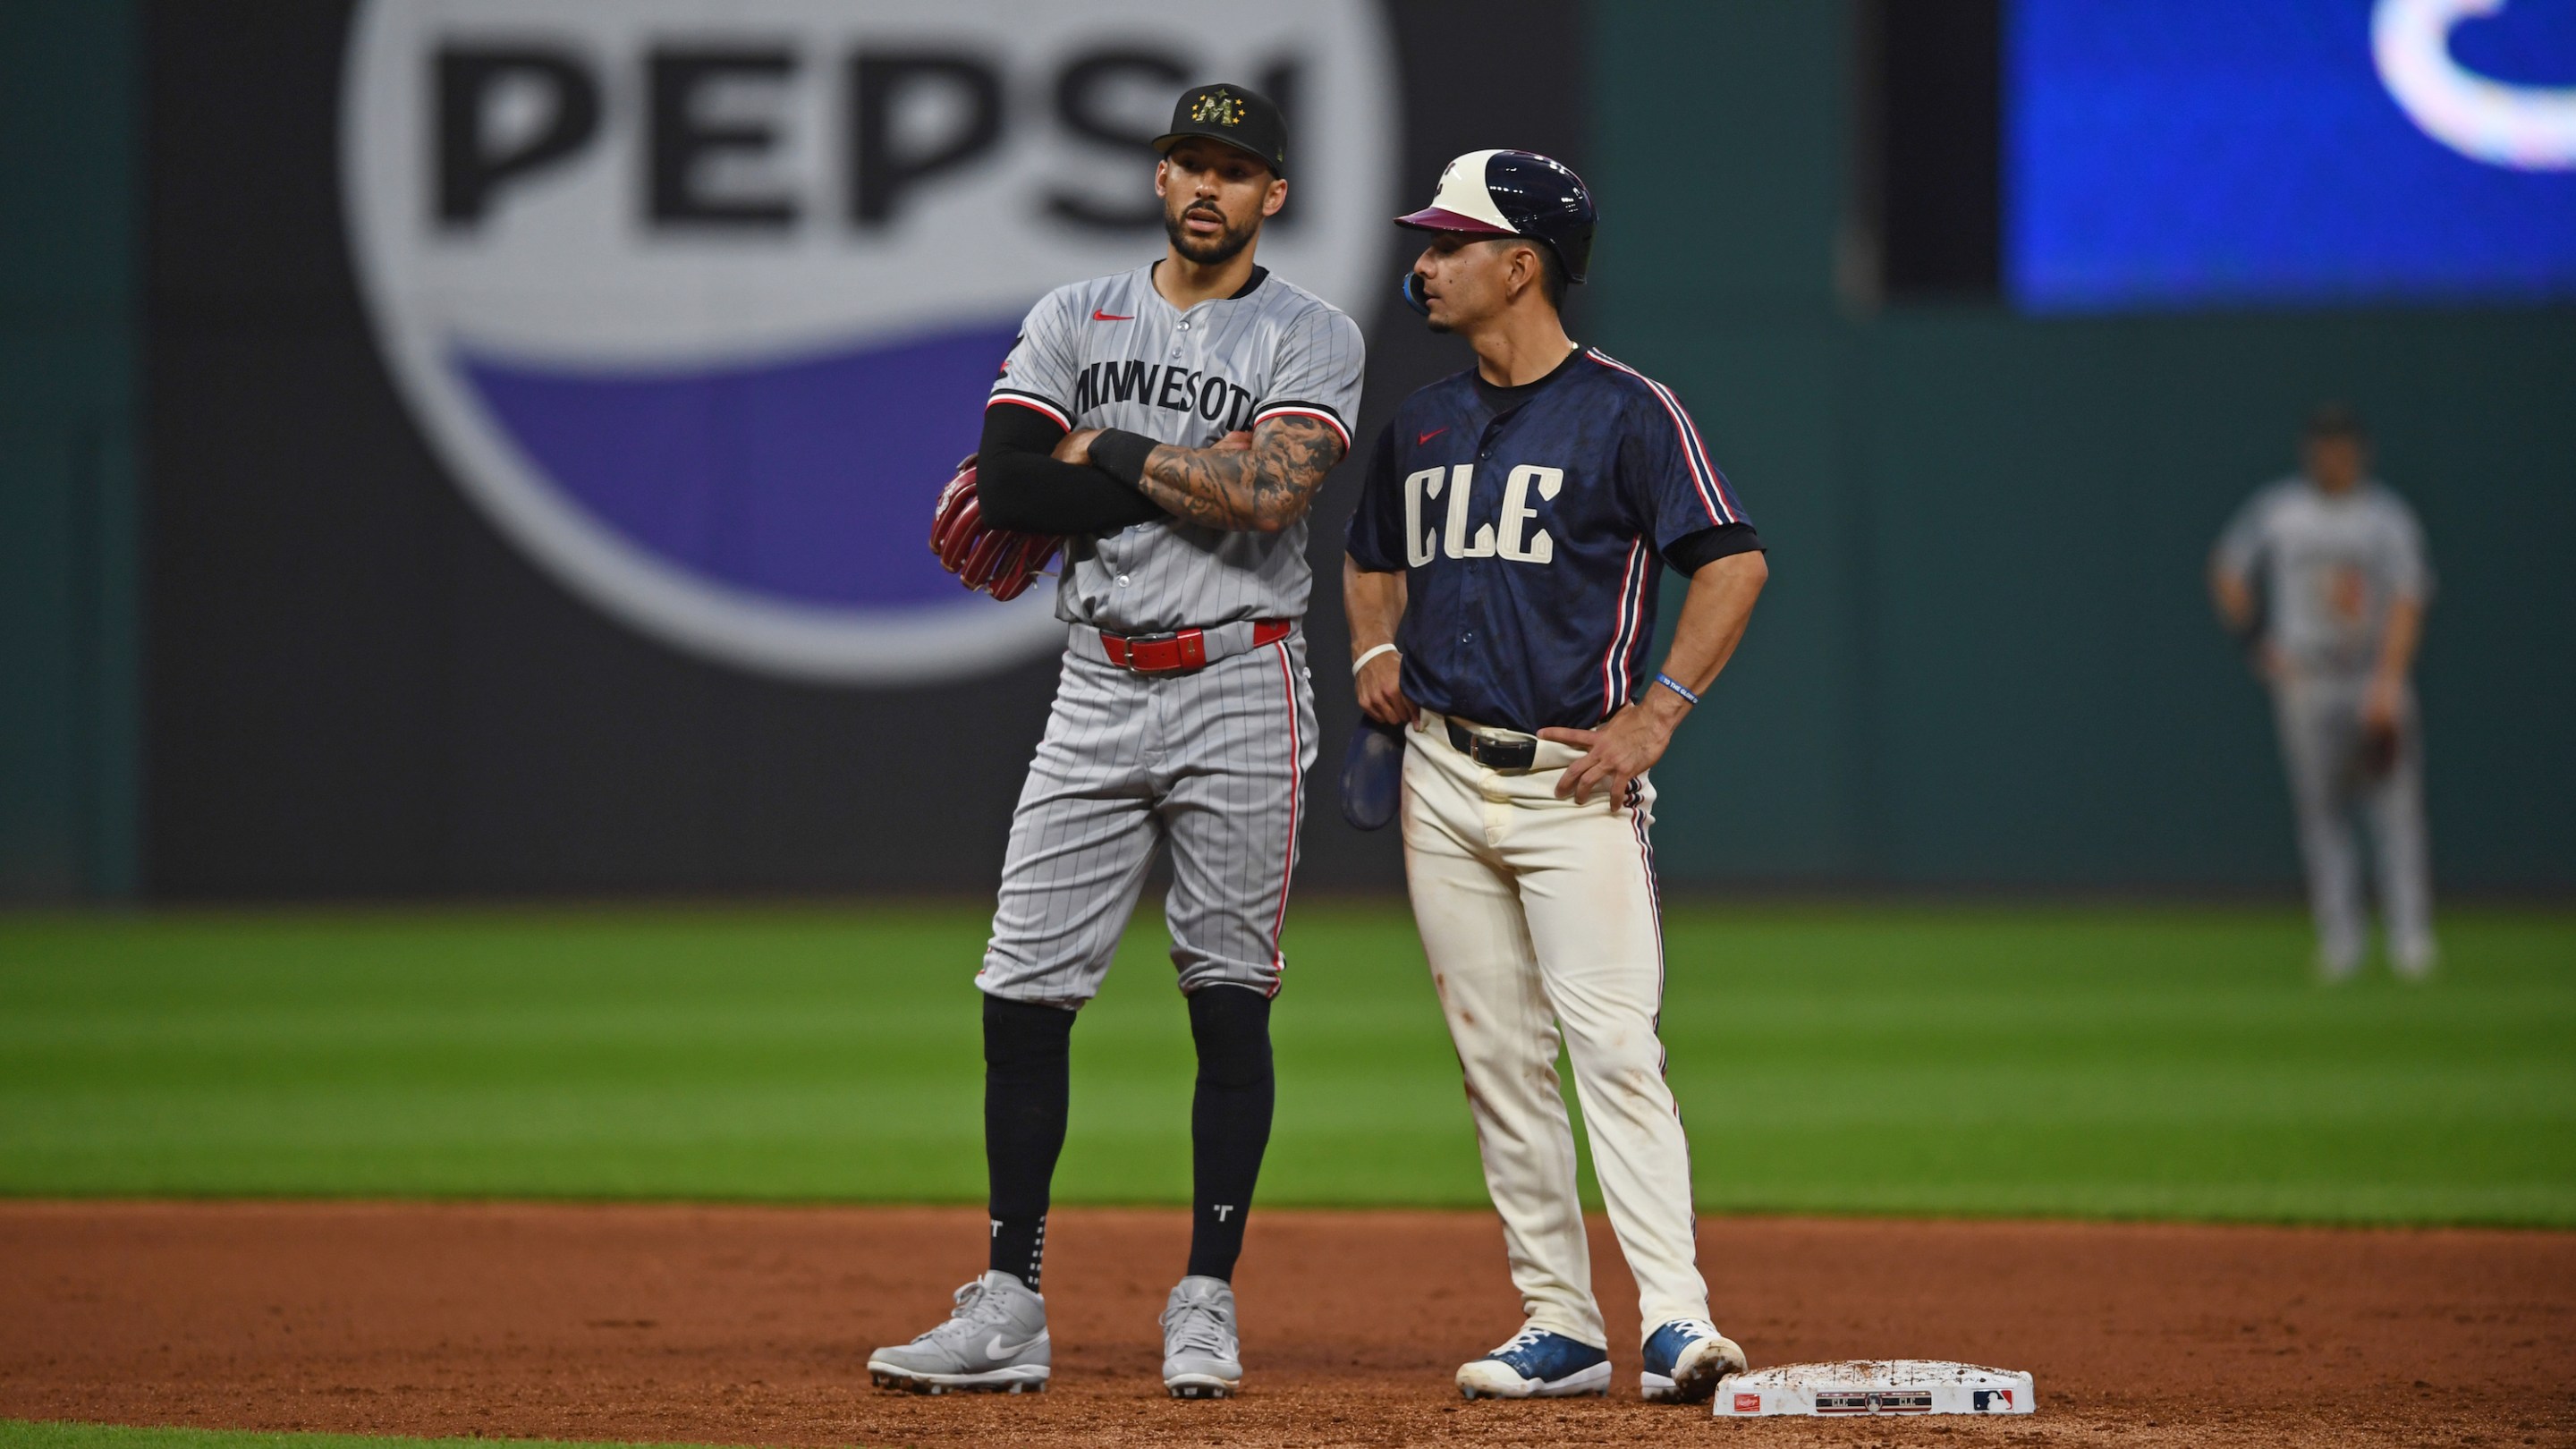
(1875,1386)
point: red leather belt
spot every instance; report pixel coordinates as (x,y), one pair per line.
(1177,653)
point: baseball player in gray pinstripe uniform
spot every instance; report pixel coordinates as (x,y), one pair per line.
(2336,562)
(1172,424)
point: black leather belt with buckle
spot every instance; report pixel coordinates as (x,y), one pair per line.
(1492,753)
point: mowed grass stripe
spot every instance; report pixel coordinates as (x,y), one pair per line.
(2114,1062)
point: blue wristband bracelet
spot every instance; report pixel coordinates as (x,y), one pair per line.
(1675,685)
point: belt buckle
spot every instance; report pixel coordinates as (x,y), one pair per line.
(1161,653)
(1492,753)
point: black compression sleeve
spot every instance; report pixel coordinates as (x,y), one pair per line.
(1229,1120)
(1027,1077)
(1022,487)
(1121,454)
(1695,551)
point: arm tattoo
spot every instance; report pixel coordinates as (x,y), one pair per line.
(1261,489)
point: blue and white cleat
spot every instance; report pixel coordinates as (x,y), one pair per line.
(1684,1360)
(1537,1364)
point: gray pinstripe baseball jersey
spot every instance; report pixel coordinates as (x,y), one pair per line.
(1111,353)
(1213,761)
(2330,566)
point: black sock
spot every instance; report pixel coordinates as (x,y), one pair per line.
(1229,1120)
(1027,1081)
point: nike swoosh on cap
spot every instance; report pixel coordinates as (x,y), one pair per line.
(1099,316)
(1427,437)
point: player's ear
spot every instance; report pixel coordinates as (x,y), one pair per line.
(1277,197)
(1162,169)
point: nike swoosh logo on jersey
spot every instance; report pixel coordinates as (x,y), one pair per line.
(999,1349)
(1427,437)
(1099,316)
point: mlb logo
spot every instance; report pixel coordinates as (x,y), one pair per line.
(1749,1403)
(1990,1401)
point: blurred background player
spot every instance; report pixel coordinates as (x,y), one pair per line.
(1173,422)
(1502,577)
(2324,575)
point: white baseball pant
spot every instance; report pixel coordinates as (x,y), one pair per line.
(1540,922)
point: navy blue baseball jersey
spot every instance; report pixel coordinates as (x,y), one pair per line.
(1532,525)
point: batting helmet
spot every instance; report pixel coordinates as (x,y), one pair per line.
(1514,193)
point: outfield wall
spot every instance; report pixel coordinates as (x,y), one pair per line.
(1984,660)
(1985,657)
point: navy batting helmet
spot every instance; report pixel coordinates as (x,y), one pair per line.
(1514,193)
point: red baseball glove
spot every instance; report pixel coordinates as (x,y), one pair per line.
(1002,562)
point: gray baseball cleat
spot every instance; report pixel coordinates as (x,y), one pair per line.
(995,1342)
(1202,1358)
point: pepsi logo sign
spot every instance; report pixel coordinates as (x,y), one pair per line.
(698,299)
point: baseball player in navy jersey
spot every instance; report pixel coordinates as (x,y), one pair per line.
(1502,579)
(1172,424)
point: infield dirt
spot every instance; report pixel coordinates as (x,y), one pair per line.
(750,1326)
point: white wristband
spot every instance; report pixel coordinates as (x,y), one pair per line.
(1362,662)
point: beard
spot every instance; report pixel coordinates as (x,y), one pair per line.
(1208,251)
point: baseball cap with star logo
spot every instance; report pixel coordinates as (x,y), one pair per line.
(1239,116)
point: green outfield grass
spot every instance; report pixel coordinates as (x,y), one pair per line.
(2131,1062)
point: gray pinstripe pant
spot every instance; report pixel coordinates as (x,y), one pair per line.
(1214,762)
(2319,715)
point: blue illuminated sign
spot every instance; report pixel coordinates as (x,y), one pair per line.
(2169,154)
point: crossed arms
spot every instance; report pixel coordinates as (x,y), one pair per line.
(1257,482)
(1035,476)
